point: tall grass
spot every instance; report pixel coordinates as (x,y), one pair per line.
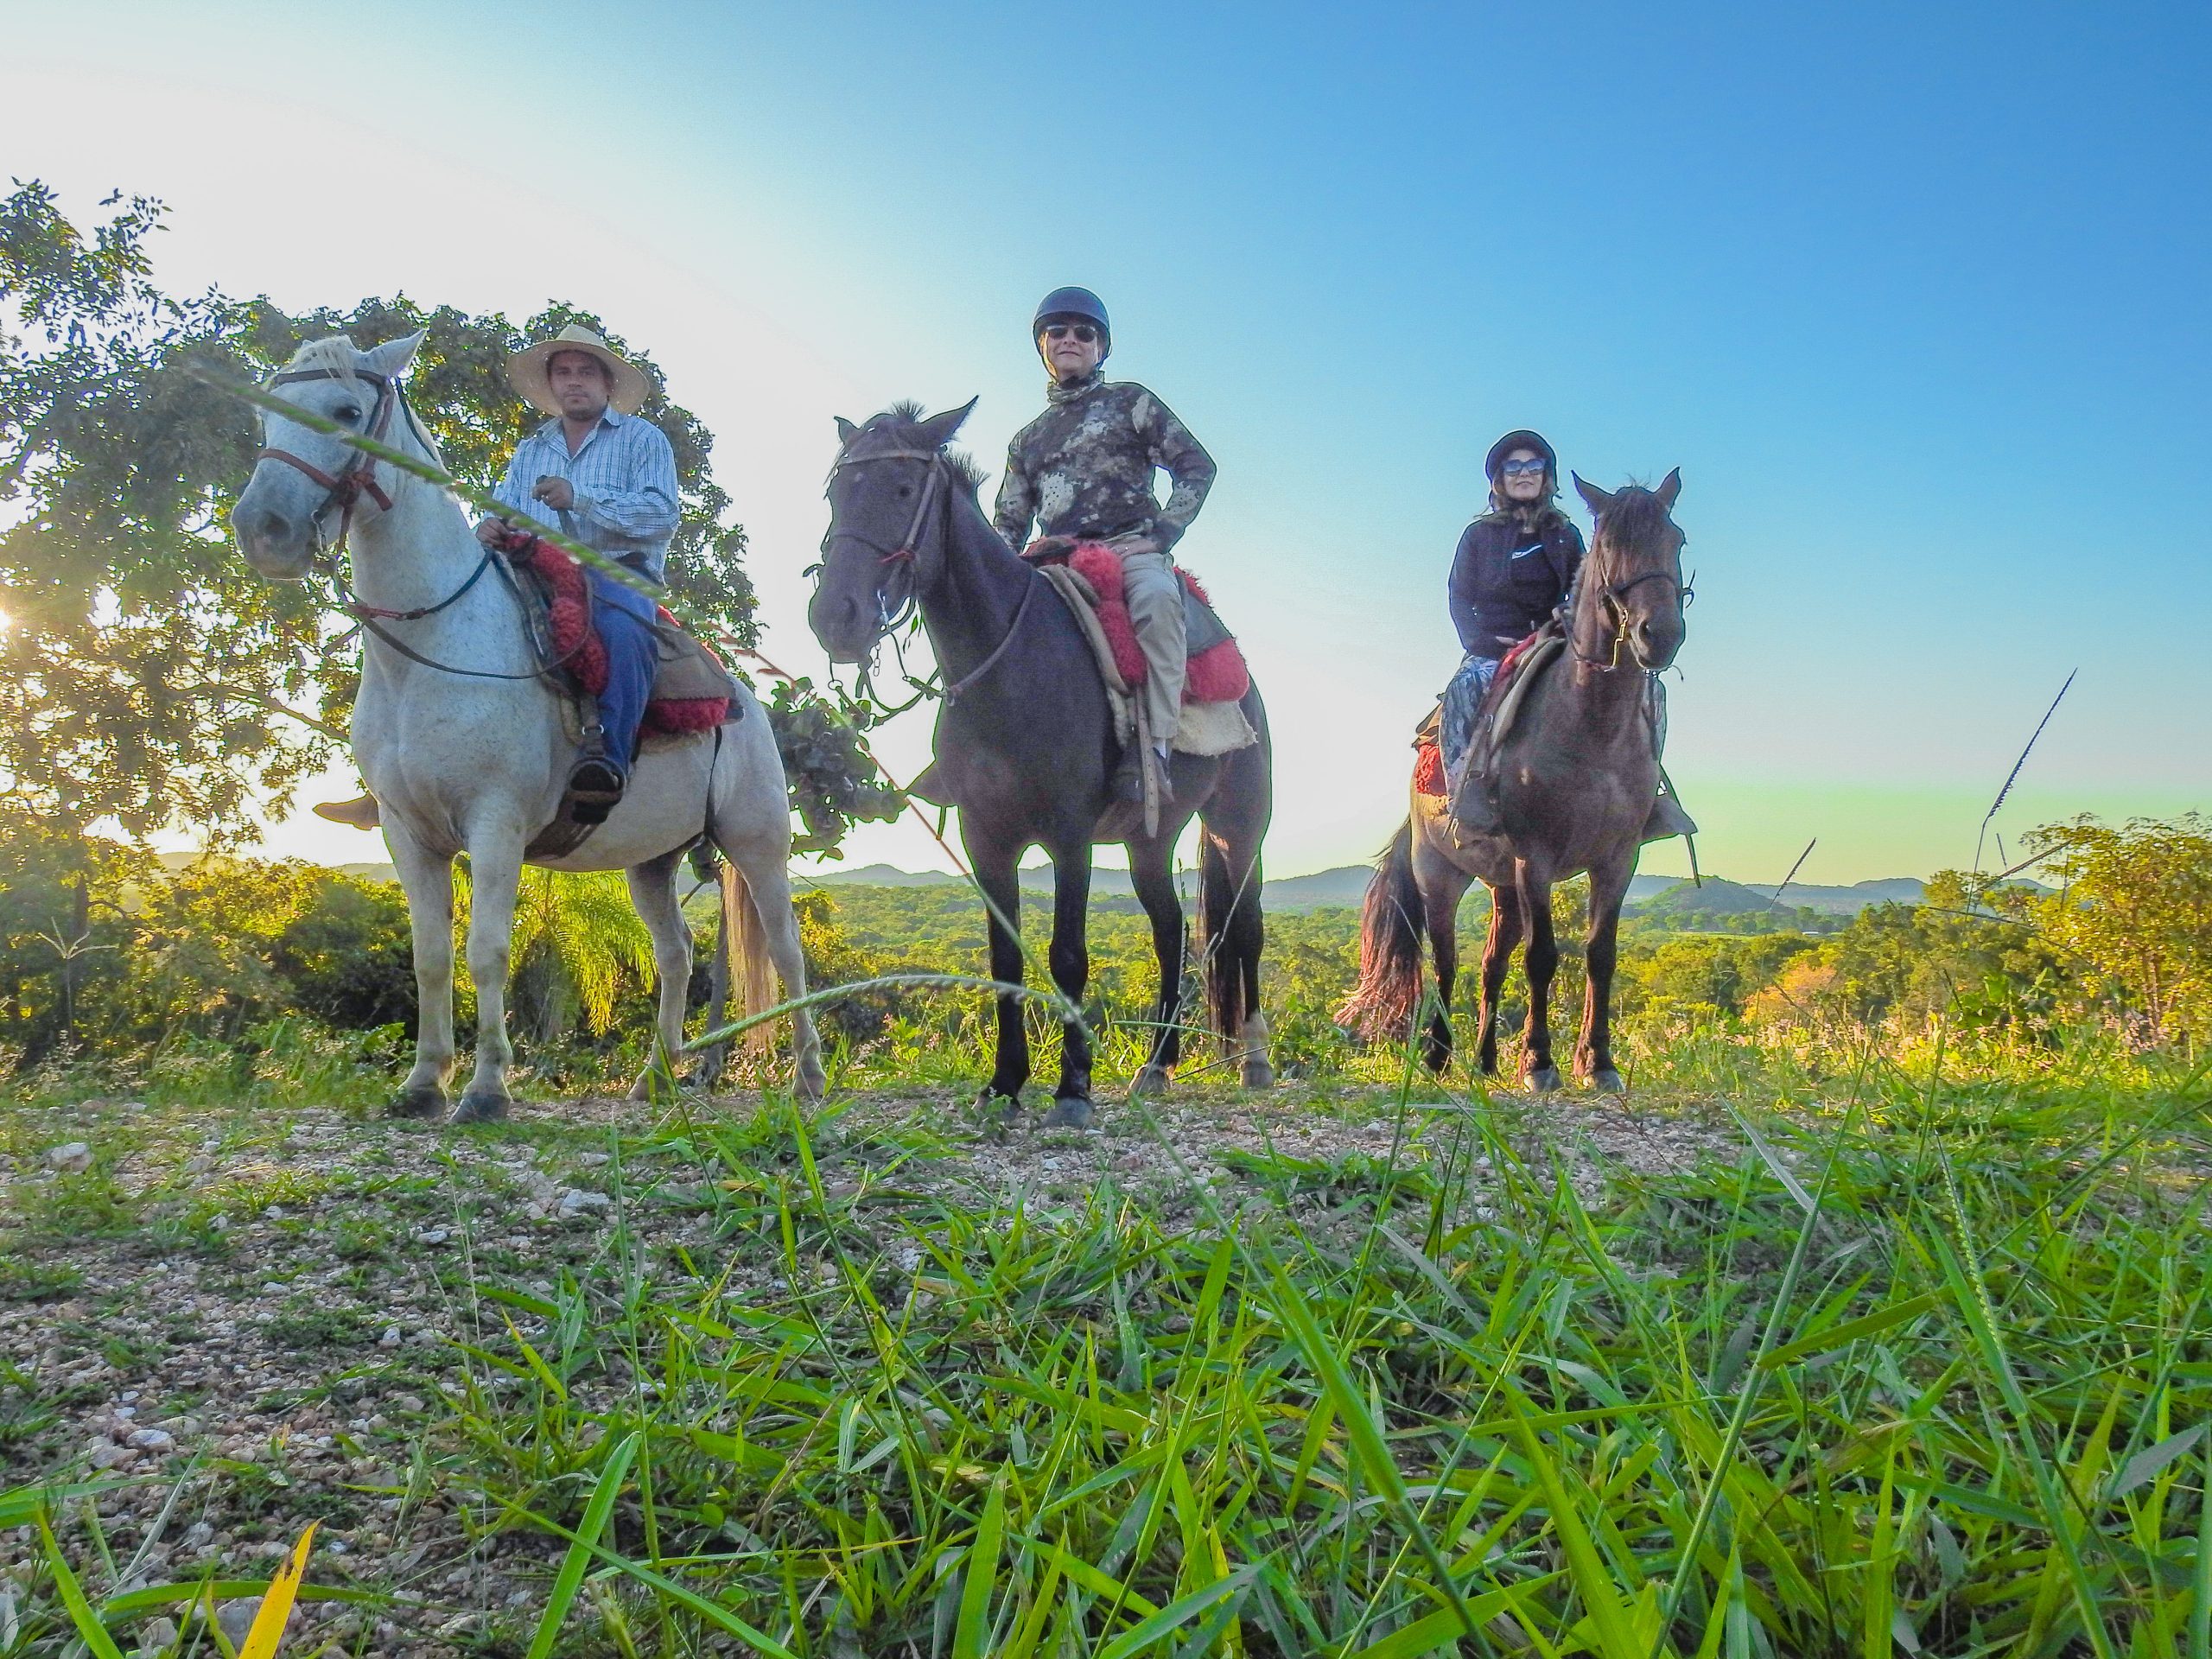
(1929,1376)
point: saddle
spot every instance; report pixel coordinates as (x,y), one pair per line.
(1088,579)
(692,693)
(1494,717)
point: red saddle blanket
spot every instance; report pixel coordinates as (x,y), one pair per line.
(1217,674)
(1428,766)
(569,611)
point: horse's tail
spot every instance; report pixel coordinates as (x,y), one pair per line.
(1230,933)
(1390,933)
(747,944)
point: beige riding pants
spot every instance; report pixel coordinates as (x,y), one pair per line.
(1155,601)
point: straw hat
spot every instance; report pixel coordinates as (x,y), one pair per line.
(628,387)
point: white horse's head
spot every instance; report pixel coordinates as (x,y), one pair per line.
(305,480)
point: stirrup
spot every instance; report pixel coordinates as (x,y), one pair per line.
(1128,782)
(361,812)
(1667,818)
(595,787)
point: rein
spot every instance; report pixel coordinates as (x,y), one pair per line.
(358,478)
(908,549)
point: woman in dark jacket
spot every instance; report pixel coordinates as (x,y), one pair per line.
(1513,569)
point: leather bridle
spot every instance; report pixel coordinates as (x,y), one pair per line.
(909,549)
(358,477)
(907,554)
(345,489)
(1613,593)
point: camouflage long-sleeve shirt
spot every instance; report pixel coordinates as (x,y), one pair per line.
(1084,468)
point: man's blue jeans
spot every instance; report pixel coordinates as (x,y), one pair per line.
(624,621)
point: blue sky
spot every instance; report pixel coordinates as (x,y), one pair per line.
(1914,297)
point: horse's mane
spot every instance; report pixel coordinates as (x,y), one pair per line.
(336,352)
(1635,515)
(902,422)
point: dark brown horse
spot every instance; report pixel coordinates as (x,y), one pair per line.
(1576,779)
(1026,749)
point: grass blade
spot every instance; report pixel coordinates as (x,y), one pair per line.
(971,1635)
(570,1578)
(268,1629)
(89,1628)
(1178,1612)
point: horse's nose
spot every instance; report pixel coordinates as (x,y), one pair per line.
(265,527)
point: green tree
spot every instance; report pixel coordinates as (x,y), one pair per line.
(577,943)
(147,676)
(2136,910)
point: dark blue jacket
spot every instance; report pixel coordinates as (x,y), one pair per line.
(1506,579)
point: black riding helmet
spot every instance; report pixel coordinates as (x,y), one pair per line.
(1074,305)
(1523,439)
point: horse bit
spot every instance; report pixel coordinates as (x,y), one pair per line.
(1613,593)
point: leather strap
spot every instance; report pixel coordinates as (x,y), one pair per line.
(952,692)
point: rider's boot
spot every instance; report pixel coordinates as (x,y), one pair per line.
(1667,818)
(595,787)
(360,811)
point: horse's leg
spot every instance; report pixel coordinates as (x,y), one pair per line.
(494,871)
(1071,964)
(995,874)
(427,878)
(652,891)
(1593,1055)
(1439,899)
(1150,874)
(1541,962)
(1235,933)
(1498,946)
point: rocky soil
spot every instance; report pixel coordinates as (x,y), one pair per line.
(238,1323)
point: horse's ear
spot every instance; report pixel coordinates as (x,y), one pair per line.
(390,359)
(936,432)
(846,433)
(1597,499)
(1669,487)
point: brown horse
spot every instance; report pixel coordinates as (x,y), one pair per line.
(1575,782)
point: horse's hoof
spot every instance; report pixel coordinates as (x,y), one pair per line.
(1606,1081)
(996,1102)
(424,1100)
(1257,1074)
(1069,1112)
(479,1106)
(1152,1080)
(1544,1080)
(810,1085)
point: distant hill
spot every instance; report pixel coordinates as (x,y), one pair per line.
(1718,899)
(1345,885)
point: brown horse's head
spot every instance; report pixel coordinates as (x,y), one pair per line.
(1635,570)
(887,495)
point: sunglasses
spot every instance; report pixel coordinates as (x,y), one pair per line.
(1523,468)
(1082,331)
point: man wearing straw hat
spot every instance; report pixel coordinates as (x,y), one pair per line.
(607,478)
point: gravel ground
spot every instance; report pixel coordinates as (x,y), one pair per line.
(254,1320)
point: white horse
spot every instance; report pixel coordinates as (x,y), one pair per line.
(461,760)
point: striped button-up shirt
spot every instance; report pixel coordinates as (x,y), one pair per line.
(624,482)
